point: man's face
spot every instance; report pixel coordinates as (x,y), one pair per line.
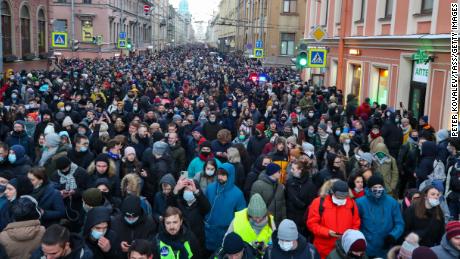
(81,143)
(172,138)
(101,227)
(222,178)
(3,153)
(137,255)
(173,224)
(55,251)
(455,241)
(238,255)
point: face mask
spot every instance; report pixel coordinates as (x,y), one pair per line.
(337,132)
(433,202)
(83,149)
(415,139)
(347,141)
(338,202)
(12,158)
(380,155)
(212,120)
(131,220)
(310,115)
(286,245)
(62,109)
(68,108)
(86,208)
(298,110)
(377,192)
(14,96)
(205,153)
(96,234)
(188,196)
(209,172)
(358,189)
(2,188)
(242,137)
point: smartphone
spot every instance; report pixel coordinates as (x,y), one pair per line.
(184,174)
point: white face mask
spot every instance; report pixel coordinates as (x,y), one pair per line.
(347,141)
(209,172)
(433,202)
(286,245)
(338,202)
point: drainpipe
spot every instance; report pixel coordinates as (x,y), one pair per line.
(340,65)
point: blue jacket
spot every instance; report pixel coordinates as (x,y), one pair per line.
(23,140)
(53,205)
(379,218)
(197,165)
(225,201)
(4,212)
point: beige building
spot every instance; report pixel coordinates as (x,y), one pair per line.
(278,24)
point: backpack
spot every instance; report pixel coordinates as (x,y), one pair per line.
(439,171)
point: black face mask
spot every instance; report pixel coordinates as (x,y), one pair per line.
(205,153)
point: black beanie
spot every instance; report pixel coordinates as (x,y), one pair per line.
(26,208)
(8,175)
(374,180)
(233,244)
(131,206)
(62,163)
(103,158)
(22,185)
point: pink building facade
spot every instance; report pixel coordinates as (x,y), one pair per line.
(395,52)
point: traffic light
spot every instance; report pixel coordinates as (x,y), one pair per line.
(302,57)
(129,45)
(253,77)
(75,45)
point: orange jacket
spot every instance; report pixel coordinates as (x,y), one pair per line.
(335,218)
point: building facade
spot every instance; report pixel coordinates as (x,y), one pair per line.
(160,18)
(24,29)
(394,52)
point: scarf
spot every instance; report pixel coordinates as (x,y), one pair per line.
(175,243)
(406,130)
(205,158)
(323,138)
(47,154)
(374,136)
(113,156)
(68,179)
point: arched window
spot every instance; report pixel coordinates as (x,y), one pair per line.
(6,29)
(25,30)
(41,31)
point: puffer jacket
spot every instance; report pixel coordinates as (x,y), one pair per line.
(428,156)
(333,217)
(388,168)
(21,238)
(273,195)
(446,250)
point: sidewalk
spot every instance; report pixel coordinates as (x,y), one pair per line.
(26,65)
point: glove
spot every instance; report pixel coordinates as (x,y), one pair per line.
(388,242)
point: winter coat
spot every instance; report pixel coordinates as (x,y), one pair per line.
(96,216)
(388,169)
(21,238)
(248,253)
(203,181)
(300,192)
(156,169)
(256,145)
(161,203)
(50,201)
(339,252)
(252,176)
(183,236)
(210,130)
(197,166)
(179,157)
(225,200)
(113,180)
(304,250)
(393,136)
(446,250)
(22,166)
(77,245)
(82,159)
(379,218)
(240,175)
(333,217)
(217,146)
(50,164)
(273,195)
(428,155)
(23,140)
(143,228)
(364,108)
(408,158)
(142,144)
(429,229)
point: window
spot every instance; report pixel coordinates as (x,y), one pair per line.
(60,25)
(41,31)
(87,1)
(61,1)
(382,87)
(6,29)
(388,8)
(427,6)
(326,12)
(289,6)
(25,30)
(287,43)
(363,9)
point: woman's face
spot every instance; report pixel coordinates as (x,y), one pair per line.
(131,157)
(433,194)
(280,147)
(10,192)
(34,180)
(41,140)
(359,183)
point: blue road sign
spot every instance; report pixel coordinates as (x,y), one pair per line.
(59,39)
(259,44)
(317,58)
(122,35)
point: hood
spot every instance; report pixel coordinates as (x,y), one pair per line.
(24,230)
(330,160)
(429,149)
(230,169)
(442,135)
(168,179)
(448,246)
(382,148)
(19,151)
(95,216)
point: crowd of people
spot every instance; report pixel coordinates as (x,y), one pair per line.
(181,154)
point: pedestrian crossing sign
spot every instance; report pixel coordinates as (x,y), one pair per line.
(59,39)
(258,53)
(121,44)
(317,58)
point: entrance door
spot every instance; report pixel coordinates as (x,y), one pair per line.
(356,81)
(417,99)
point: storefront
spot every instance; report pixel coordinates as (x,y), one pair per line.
(418,85)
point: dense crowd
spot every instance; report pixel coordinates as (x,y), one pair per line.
(182,154)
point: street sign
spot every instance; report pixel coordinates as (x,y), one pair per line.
(317,58)
(59,39)
(146,8)
(258,53)
(121,44)
(318,33)
(122,35)
(259,44)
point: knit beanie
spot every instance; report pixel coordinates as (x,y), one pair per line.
(423,252)
(102,158)
(272,168)
(287,230)
(159,148)
(131,206)
(22,185)
(322,126)
(452,229)
(93,197)
(52,140)
(374,180)
(257,206)
(67,122)
(353,240)
(129,150)
(366,157)
(442,134)
(62,163)
(6,174)
(233,244)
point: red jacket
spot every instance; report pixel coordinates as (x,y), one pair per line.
(335,218)
(364,108)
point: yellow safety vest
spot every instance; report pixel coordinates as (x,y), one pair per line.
(243,228)
(166,252)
